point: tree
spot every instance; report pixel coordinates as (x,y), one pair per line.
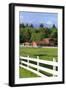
(54,34)
(27,25)
(41,25)
(54,26)
(21,36)
(22,25)
(31,25)
(46,32)
(30,33)
(36,37)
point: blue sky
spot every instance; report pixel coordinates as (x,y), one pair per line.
(36,18)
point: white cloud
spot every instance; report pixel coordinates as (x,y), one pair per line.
(49,22)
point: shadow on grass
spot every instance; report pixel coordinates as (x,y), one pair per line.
(45,55)
(40,55)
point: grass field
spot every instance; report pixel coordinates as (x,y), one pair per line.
(26,73)
(43,53)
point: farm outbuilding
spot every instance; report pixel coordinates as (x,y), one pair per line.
(46,42)
(34,44)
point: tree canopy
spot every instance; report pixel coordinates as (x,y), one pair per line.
(29,33)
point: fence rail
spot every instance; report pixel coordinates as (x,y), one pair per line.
(37,65)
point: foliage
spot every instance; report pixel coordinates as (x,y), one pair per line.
(41,25)
(29,33)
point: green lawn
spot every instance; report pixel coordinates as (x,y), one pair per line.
(43,53)
(23,73)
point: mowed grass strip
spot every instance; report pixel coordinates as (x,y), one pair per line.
(43,53)
(23,73)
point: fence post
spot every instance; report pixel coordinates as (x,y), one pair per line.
(37,63)
(54,67)
(27,61)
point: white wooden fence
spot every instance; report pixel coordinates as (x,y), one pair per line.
(37,66)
